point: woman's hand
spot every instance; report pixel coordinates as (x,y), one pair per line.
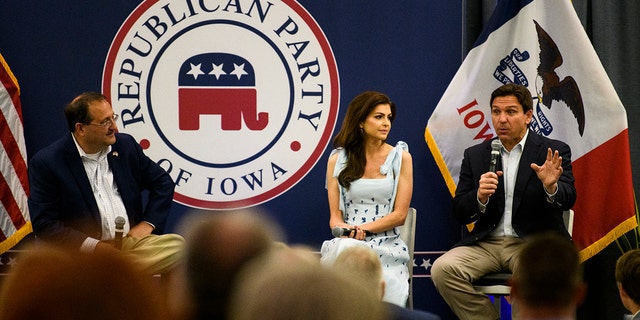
(358,233)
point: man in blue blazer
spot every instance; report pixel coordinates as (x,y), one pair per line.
(527,194)
(81,183)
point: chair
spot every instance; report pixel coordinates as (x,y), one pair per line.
(497,284)
(408,235)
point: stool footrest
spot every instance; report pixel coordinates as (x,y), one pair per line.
(494,284)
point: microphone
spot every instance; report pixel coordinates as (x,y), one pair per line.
(117,242)
(344,232)
(496,145)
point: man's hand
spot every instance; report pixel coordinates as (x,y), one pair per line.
(550,171)
(488,185)
(106,248)
(140,230)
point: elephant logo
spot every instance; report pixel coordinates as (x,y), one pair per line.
(219,84)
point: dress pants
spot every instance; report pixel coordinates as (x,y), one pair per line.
(157,254)
(454,272)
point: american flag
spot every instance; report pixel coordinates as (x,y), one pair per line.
(15,223)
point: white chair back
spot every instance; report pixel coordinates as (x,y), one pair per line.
(408,235)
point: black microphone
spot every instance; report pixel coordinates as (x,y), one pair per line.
(345,232)
(117,242)
(496,145)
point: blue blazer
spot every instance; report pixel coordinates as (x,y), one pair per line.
(532,213)
(61,202)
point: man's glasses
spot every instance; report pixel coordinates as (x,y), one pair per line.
(106,123)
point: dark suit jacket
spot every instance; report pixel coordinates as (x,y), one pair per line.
(532,213)
(61,202)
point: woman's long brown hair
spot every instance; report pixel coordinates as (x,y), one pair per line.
(351,137)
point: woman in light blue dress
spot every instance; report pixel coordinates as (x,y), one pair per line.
(369,185)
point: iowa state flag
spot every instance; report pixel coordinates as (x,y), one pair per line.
(15,223)
(542,45)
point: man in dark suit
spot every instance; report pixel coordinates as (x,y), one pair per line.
(526,195)
(81,183)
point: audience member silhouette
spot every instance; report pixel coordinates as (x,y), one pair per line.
(291,284)
(55,283)
(363,265)
(628,279)
(218,246)
(547,282)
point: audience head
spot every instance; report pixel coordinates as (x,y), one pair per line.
(628,279)
(218,245)
(55,283)
(548,277)
(286,284)
(362,264)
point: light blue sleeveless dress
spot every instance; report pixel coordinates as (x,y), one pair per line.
(368,200)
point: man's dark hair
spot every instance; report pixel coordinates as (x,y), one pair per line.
(628,274)
(548,271)
(521,93)
(77,111)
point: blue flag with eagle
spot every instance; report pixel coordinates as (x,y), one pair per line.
(542,45)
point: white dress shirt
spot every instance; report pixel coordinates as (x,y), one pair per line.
(106,194)
(510,163)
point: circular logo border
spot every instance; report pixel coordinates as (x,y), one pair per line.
(311,160)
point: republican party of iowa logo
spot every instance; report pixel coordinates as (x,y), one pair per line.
(237,100)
